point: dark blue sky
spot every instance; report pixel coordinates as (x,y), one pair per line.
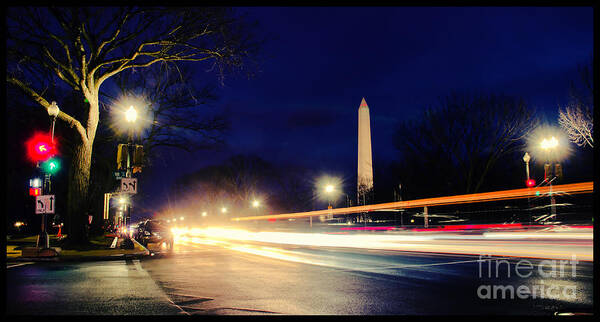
(302,107)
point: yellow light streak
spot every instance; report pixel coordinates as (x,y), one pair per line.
(518,244)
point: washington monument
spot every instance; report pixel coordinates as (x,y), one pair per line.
(365,161)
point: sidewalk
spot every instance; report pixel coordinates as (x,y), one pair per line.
(100,250)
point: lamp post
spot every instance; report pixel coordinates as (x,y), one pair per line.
(43,240)
(329,189)
(130,117)
(526,159)
(255,205)
(122,223)
(549,145)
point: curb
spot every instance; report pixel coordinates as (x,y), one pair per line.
(60,258)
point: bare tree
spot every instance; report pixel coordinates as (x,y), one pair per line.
(82,47)
(577,117)
(578,123)
(455,145)
(180,115)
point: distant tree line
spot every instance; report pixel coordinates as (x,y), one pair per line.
(238,182)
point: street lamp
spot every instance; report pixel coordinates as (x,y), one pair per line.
(526,158)
(551,145)
(223,210)
(529,183)
(256,204)
(204,214)
(43,239)
(548,145)
(53,111)
(130,117)
(131,114)
(329,189)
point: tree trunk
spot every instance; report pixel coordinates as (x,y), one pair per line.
(77,198)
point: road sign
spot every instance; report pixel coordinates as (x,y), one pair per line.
(45,204)
(120,174)
(129,185)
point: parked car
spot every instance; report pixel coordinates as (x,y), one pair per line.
(154,231)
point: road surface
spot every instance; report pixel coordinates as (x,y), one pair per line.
(225,276)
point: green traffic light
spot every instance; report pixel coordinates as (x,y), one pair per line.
(537,193)
(51,165)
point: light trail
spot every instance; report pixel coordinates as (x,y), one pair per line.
(551,244)
(574,188)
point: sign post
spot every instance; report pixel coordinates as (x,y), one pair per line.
(129,185)
(44,204)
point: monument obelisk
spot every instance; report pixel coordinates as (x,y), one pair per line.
(365,161)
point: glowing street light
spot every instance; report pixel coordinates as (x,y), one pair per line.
(550,147)
(550,143)
(131,114)
(255,203)
(223,210)
(329,190)
(181,218)
(204,214)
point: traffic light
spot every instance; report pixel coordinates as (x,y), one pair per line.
(547,172)
(40,147)
(135,158)
(122,153)
(35,191)
(530,183)
(51,165)
(138,156)
(558,171)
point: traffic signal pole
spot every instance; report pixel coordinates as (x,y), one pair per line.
(43,241)
(129,174)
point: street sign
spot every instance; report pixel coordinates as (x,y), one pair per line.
(129,185)
(120,174)
(45,204)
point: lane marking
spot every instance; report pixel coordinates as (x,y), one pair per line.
(17,265)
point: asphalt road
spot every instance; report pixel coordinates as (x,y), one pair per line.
(88,288)
(207,276)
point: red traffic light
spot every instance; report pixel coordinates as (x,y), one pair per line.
(530,183)
(40,147)
(35,191)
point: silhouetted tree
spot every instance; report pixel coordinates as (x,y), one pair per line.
(82,47)
(454,146)
(577,118)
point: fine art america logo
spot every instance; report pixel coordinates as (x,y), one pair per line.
(490,268)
